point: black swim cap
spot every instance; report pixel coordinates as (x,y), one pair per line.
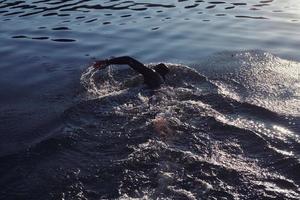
(162,69)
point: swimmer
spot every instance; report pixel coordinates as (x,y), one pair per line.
(153,77)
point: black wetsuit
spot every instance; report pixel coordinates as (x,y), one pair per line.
(151,78)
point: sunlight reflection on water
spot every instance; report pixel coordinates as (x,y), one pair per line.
(228,128)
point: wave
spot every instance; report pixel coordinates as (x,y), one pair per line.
(206,133)
(256,77)
(224,130)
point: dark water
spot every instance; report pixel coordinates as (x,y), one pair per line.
(224,126)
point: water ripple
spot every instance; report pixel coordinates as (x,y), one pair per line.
(63,40)
(24,9)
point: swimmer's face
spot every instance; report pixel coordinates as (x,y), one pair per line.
(162,69)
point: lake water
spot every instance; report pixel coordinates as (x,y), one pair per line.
(224,126)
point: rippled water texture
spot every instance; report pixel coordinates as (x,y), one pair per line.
(225,125)
(177,30)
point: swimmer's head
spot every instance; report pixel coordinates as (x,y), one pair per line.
(162,69)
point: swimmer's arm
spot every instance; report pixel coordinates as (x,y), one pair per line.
(133,82)
(124,60)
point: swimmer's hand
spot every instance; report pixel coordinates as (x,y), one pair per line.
(100,64)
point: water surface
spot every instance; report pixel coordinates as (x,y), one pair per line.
(225,124)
